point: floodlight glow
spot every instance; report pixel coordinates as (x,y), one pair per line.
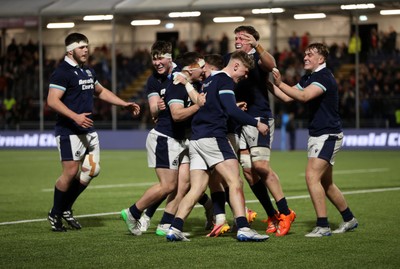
(390,12)
(228,19)
(145,22)
(184,14)
(309,16)
(357,6)
(60,25)
(98,17)
(169,25)
(267,10)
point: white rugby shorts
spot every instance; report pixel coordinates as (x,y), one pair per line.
(75,147)
(205,153)
(325,146)
(163,151)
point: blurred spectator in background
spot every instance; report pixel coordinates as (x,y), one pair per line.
(354,46)
(373,42)
(223,44)
(10,112)
(392,37)
(180,49)
(294,42)
(305,41)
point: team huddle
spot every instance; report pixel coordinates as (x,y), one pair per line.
(212,116)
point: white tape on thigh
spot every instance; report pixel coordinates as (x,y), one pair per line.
(245,160)
(260,154)
(90,168)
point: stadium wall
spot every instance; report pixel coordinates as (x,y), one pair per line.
(355,139)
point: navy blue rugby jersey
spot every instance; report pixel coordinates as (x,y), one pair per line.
(78,85)
(211,119)
(254,90)
(324,110)
(157,83)
(166,125)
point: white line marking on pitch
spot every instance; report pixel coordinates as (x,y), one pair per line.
(248,201)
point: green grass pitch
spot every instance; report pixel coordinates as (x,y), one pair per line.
(370,181)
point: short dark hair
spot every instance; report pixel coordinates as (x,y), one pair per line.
(160,47)
(248,29)
(189,58)
(75,37)
(321,48)
(245,58)
(215,60)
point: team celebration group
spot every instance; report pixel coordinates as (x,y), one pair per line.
(212,118)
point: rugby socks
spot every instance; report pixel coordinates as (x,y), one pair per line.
(347,215)
(58,202)
(136,213)
(261,192)
(204,199)
(167,218)
(242,222)
(227,196)
(153,208)
(322,222)
(178,224)
(218,200)
(206,202)
(283,207)
(73,193)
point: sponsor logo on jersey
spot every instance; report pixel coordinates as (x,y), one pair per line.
(87,84)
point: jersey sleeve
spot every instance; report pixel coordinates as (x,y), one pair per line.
(228,101)
(176,94)
(152,87)
(58,80)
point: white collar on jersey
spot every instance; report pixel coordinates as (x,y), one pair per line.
(71,62)
(252,51)
(320,67)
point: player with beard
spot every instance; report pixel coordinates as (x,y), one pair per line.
(71,91)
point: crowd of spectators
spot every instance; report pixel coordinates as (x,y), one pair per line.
(379,80)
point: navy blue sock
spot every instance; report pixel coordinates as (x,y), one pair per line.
(261,192)
(203,199)
(242,222)
(73,193)
(322,222)
(153,208)
(136,213)
(218,199)
(227,196)
(283,207)
(58,202)
(167,218)
(178,224)
(347,215)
